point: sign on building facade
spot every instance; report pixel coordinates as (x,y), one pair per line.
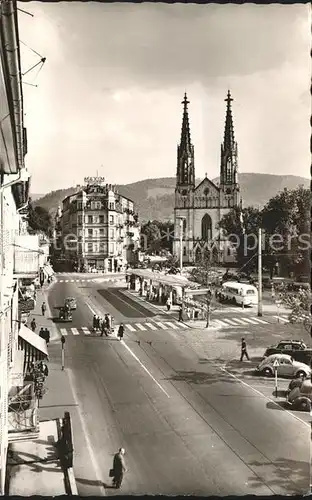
(26,256)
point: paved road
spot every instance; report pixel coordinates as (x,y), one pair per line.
(188,425)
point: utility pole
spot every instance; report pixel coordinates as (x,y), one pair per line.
(260,272)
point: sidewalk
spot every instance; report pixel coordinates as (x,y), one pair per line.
(34,467)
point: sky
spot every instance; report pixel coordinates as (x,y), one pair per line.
(108,98)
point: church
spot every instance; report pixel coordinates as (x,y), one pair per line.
(199,209)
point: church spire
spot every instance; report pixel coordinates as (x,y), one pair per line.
(185,166)
(228,173)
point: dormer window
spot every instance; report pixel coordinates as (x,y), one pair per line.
(206,192)
(228,191)
(184,192)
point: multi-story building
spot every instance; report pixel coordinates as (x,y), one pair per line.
(199,209)
(19,252)
(99,228)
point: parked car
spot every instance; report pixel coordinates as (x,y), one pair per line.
(71,301)
(287,366)
(296,382)
(301,396)
(297,349)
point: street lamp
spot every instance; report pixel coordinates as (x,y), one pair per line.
(182,218)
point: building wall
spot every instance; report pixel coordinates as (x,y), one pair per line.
(100,221)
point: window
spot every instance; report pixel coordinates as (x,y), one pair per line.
(79,205)
(90,247)
(90,232)
(111,219)
(112,234)
(79,220)
(101,219)
(206,227)
(184,251)
(90,219)
(101,231)
(112,206)
(111,248)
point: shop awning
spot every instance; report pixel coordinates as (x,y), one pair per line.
(33,340)
(48,270)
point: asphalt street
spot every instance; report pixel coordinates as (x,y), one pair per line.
(189,424)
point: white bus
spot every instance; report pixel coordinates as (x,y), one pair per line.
(239,293)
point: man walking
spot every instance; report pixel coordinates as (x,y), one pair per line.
(119,468)
(94,322)
(121,330)
(33,324)
(180,313)
(47,335)
(244,350)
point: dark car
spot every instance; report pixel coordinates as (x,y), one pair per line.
(297,349)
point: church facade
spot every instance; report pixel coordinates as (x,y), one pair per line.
(199,209)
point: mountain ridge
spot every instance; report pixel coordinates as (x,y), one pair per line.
(154,198)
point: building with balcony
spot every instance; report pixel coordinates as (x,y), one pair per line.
(19,255)
(99,228)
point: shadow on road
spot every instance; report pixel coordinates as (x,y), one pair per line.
(291,475)
(195,377)
(278,405)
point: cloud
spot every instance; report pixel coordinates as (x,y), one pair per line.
(110,92)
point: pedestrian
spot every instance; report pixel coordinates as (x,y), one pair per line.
(43,308)
(121,330)
(94,322)
(103,328)
(107,322)
(44,369)
(42,333)
(180,313)
(33,324)
(119,468)
(47,335)
(168,303)
(244,350)
(112,327)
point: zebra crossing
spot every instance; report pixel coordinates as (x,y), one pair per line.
(129,327)
(89,280)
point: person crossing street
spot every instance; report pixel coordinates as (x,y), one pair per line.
(244,350)
(119,468)
(121,330)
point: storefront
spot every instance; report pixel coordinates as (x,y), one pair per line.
(34,347)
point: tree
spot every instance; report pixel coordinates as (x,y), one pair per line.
(241,229)
(157,235)
(39,219)
(300,306)
(202,274)
(285,219)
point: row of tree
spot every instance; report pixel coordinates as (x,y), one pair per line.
(285,221)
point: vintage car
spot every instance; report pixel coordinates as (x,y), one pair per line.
(65,314)
(71,302)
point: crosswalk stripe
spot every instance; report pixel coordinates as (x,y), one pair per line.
(220,322)
(230,321)
(66,281)
(175,327)
(183,325)
(86,330)
(152,327)
(74,331)
(63,331)
(82,280)
(281,318)
(72,281)
(261,321)
(129,327)
(164,327)
(241,321)
(252,321)
(60,281)
(140,327)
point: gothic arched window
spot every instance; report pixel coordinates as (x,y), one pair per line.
(206,228)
